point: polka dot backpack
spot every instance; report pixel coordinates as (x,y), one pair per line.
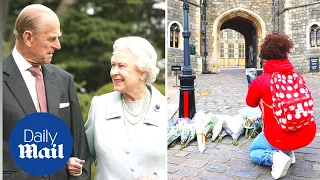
(292,103)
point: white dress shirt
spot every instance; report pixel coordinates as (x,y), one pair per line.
(28,78)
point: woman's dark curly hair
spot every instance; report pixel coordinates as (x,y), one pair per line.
(276,46)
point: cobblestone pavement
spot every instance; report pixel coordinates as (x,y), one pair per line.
(224,161)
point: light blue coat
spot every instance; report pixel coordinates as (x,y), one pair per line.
(109,145)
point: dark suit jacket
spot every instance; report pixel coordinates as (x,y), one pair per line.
(17,103)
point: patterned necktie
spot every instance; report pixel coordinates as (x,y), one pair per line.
(41,93)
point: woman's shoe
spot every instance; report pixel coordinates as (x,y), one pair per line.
(281,164)
(291,155)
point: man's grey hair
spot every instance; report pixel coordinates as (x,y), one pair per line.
(143,51)
(30,18)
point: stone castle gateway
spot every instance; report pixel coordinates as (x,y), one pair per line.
(253,20)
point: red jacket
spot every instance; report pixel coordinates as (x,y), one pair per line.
(260,88)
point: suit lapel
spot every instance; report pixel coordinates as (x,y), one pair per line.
(52,90)
(14,80)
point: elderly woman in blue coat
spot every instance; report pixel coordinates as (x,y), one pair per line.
(126,129)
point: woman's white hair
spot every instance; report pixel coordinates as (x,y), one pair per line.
(144,52)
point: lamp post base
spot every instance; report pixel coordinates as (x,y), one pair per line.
(187,106)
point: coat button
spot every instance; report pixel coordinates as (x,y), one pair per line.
(127,151)
(157,107)
(132,169)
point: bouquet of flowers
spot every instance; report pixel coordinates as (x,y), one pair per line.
(253,127)
(187,132)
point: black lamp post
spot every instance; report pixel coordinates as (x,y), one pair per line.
(187,107)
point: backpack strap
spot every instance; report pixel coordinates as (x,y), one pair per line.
(263,103)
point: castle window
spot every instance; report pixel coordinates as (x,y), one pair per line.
(312,37)
(229,34)
(318,37)
(221,35)
(174,35)
(230,51)
(221,50)
(241,50)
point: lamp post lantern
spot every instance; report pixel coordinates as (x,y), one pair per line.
(187,107)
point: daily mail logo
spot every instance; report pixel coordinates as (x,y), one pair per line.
(31,151)
(41,144)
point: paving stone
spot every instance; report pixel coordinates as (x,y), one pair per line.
(199,156)
(222,152)
(304,172)
(193,143)
(191,149)
(242,141)
(174,177)
(176,160)
(251,173)
(299,156)
(317,138)
(308,151)
(227,140)
(172,168)
(312,157)
(211,145)
(182,153)
(316,167)
(206,175)
(314,144)
(264,169)
(215,168)
(172,152)
(188,172)
(266,176)
(176,147)
(211,151)
(302,164)
(239,155)
(195,163)
(241,163)
(219,158)
(228,147)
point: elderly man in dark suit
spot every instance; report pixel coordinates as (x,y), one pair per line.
(31,84)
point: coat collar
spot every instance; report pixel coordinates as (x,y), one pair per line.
(14,80)
(153,113)
(18,87)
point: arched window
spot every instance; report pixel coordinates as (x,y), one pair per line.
(174,35)
(314,35)
(318,37)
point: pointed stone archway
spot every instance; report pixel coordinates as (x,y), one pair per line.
(249,24)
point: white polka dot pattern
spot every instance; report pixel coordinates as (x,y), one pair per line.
(292,102)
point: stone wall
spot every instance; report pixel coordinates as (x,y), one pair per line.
(297,20)
(175,13)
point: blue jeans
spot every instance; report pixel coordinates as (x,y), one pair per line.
(261,151)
